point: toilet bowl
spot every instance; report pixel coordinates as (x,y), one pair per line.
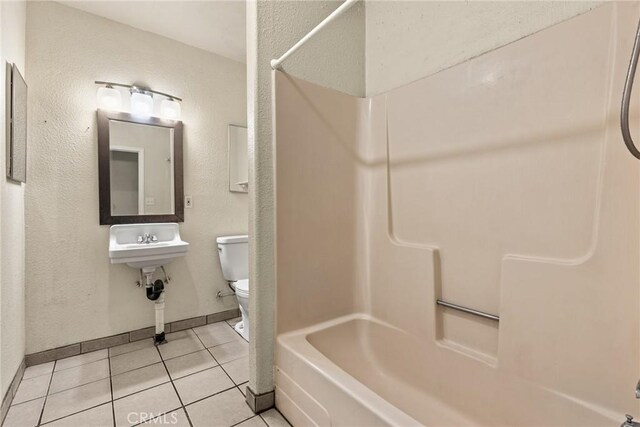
(242,294)
(233,252)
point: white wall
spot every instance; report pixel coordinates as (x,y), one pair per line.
(335,58)
(12,247)
(73,292)
(408,40)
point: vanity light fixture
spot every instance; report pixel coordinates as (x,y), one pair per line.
(170,109)
(109,98)
(141,103)
(142,100)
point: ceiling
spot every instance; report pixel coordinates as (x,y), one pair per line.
(215,26)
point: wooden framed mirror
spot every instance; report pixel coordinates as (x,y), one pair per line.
(140,169)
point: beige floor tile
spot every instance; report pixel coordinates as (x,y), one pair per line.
(139,379)
(134,360)
(101,416)
(37,370)
(202,384)
(142,406)
(216,334)
(273,418)
(232,322)
(180,343)
(224,409)
(32,388)
(253,422)
(132,346)
(230,351)
(81,359)
(79,375)
(174,419)
(238,370)
(190,363)
(25,414)
(76,399)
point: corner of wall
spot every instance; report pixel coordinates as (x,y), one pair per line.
(335,58)
(12,241)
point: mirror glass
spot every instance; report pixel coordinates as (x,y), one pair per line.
(141,169)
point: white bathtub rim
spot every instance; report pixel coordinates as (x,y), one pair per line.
(296,342)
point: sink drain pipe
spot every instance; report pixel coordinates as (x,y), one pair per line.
(155,292)
(159,304)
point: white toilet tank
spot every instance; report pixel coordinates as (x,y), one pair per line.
(234,257)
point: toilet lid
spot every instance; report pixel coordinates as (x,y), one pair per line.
(242,287)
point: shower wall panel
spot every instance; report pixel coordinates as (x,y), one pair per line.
(501,184)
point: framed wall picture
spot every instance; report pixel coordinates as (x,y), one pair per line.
(16,124)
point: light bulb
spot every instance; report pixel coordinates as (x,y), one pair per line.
(170,109)
(109,98)
(141,104)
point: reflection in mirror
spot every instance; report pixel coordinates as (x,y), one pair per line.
(141,169)
(238,159)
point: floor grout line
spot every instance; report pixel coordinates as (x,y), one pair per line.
(141,390)
(81,364)
(47,395)
(113,407)
(130,351)
(62,391)
(174,386)
(247,419)
(162,360)
(211,395)
(219,364)
(126,372)
(75,413)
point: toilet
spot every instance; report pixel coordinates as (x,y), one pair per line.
(234,259)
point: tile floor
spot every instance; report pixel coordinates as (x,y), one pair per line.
(197,379)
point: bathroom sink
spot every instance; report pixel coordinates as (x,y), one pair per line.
(146,246)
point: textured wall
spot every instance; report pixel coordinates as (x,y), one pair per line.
(335,58)
(408,40)
(73,292)
(12,248)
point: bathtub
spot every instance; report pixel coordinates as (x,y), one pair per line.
(498,184)
(356,371)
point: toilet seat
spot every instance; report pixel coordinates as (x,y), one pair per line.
(242,288)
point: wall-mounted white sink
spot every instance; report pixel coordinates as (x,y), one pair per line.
(146,246)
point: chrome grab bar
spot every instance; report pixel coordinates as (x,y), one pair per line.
(468,310)
(626,97)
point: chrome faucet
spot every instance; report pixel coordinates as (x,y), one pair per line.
(629,422)
(147,238)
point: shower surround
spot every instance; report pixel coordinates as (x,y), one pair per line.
(501,184)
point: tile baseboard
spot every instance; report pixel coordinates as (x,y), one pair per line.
(123,338)
(260,402)
(7,399)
